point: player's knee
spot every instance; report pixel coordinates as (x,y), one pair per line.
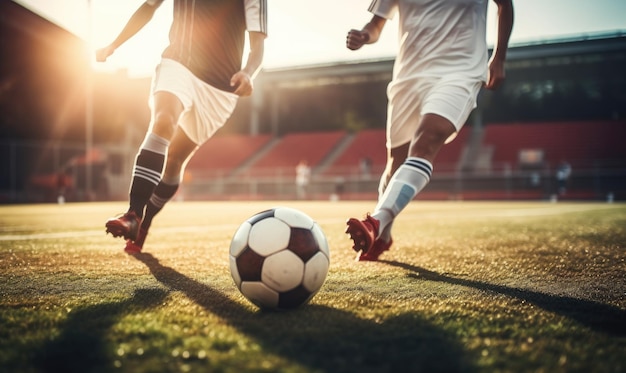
(428,143)
(164,124)
(436,136)
(432,136)
(435,130)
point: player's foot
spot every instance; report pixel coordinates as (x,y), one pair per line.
(134,247)
(374,253)
(125,225)
(363,232)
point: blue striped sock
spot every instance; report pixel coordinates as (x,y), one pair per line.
(405,184)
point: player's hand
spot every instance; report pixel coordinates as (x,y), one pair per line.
(242,81)
(356,39)
(495,74)
(103,53)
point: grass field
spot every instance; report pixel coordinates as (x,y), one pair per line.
(468,286)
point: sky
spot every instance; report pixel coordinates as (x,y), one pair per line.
(313,32)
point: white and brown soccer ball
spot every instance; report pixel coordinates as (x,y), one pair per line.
(279,258)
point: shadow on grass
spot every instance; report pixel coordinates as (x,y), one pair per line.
(80,347)
(328,339)
(597,316)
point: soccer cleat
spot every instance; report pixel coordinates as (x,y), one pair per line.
(363,232)
(125,225)
(374,253)
(134,247)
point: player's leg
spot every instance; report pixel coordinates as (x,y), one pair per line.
(149,163)
(181,149)
(206,110)
(150,160)
(395,158)
(414,174)
(408,180)
(447,104)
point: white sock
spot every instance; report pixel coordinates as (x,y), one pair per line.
(384,234)
(155,143)
(405,184)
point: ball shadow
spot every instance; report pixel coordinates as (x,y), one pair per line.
(328,339)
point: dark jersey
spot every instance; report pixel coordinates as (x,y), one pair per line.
(208,36)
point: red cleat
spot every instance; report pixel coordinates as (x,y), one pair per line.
(134,247)
(126,225)
(363,232)
(377,249)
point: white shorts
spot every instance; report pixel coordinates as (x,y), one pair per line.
(206,108)
(409,100)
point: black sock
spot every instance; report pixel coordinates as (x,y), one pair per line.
(162,194)
(147,171)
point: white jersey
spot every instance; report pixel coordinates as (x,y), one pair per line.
(438,38)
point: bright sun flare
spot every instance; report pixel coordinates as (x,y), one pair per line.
(141,53)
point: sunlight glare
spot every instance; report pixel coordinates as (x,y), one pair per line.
(141,53)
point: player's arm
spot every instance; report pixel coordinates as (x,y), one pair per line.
(369,34)
(136,22)
(505,26)
(242,80)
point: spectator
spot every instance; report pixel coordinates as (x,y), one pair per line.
(303,177)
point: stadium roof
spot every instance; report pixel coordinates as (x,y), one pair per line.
(346,72)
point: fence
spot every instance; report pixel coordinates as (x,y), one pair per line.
(39,172)
(500,184)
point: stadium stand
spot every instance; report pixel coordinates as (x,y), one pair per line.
(370,144)
(582,144)
(521,160)
(451,154)
(366,145)
(223,154)
(285,155)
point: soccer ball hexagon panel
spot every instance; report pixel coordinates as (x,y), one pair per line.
(279,258)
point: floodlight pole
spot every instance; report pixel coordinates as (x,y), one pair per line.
(88,107)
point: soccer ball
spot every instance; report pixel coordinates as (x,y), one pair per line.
(279,258)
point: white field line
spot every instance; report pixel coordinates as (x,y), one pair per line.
(541,211)
(522,212)
(92,233)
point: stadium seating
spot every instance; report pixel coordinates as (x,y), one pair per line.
(450,154)
(225,153)
(258,166)
(292,148)
(367,144)
(370,144)
(582,144)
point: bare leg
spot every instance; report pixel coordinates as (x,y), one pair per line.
(395,158)
(431,135)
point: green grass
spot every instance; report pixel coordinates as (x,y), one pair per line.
(473,287)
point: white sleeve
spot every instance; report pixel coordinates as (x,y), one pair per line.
(154,2)
(256,15)
(384,8)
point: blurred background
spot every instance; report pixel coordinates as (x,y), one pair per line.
(70,128)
